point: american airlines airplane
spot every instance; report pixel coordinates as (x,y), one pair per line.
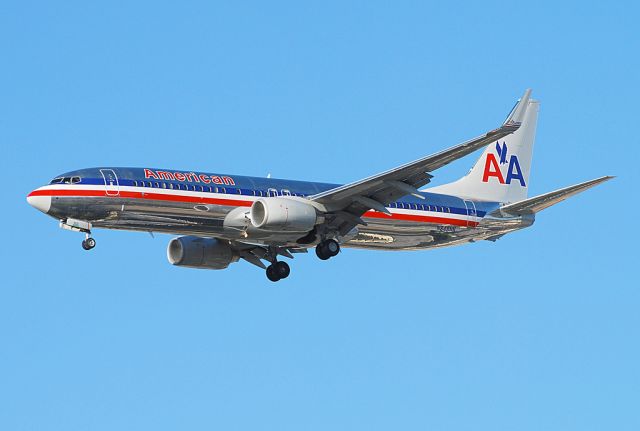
(224,218)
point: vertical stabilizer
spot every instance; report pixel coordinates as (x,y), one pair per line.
(502,172)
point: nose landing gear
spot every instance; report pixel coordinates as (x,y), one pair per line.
(88,243)
(80,226)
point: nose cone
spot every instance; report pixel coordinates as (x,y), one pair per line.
(41,203)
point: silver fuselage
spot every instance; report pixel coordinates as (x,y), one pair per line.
(124,199)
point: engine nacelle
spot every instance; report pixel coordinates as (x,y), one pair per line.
(283,215)
(197,252)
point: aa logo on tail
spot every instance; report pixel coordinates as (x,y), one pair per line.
(494,169)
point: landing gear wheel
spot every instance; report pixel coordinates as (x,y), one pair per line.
(272,273)
(282,269)
(327,249)
(321,252)
(88,243)
(278,270)
(332,247)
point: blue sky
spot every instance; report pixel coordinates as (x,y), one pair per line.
(536,331)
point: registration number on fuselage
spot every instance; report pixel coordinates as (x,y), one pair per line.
(446,228)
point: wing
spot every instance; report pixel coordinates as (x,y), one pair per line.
(347,203)
(538,203)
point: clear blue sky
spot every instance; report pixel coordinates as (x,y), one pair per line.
(536,331)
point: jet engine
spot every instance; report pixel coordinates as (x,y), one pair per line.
(282,215)
(197,252)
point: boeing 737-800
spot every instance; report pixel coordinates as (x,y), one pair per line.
(224,218)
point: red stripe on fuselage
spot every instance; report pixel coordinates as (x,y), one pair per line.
(421,218)
(237,203)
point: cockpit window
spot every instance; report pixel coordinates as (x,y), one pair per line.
(65,180)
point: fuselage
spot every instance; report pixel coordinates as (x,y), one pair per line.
(198,203)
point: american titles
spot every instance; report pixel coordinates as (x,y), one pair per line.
(189,177)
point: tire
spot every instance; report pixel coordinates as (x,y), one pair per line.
(272,273)
(332,247)
(90,242)
(282,269)
(321,252)
(85,245)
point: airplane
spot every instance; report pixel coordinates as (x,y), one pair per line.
(224,218)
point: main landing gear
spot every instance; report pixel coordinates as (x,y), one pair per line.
(88,243)
(327,249)
(278,270)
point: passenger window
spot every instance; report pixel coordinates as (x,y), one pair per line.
(164,185)
(223,190)
(448,209)
(171,186)
(135,183)
(157,184)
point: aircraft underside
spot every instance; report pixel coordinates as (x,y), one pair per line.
(180,218)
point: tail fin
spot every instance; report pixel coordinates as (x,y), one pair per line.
(502,172)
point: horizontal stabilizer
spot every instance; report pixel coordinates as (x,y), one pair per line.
(538,203)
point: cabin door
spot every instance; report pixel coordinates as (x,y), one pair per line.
(471,213)
(112,187)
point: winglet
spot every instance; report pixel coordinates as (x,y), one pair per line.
(517,113)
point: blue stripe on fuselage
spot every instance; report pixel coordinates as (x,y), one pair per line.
(248,185)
